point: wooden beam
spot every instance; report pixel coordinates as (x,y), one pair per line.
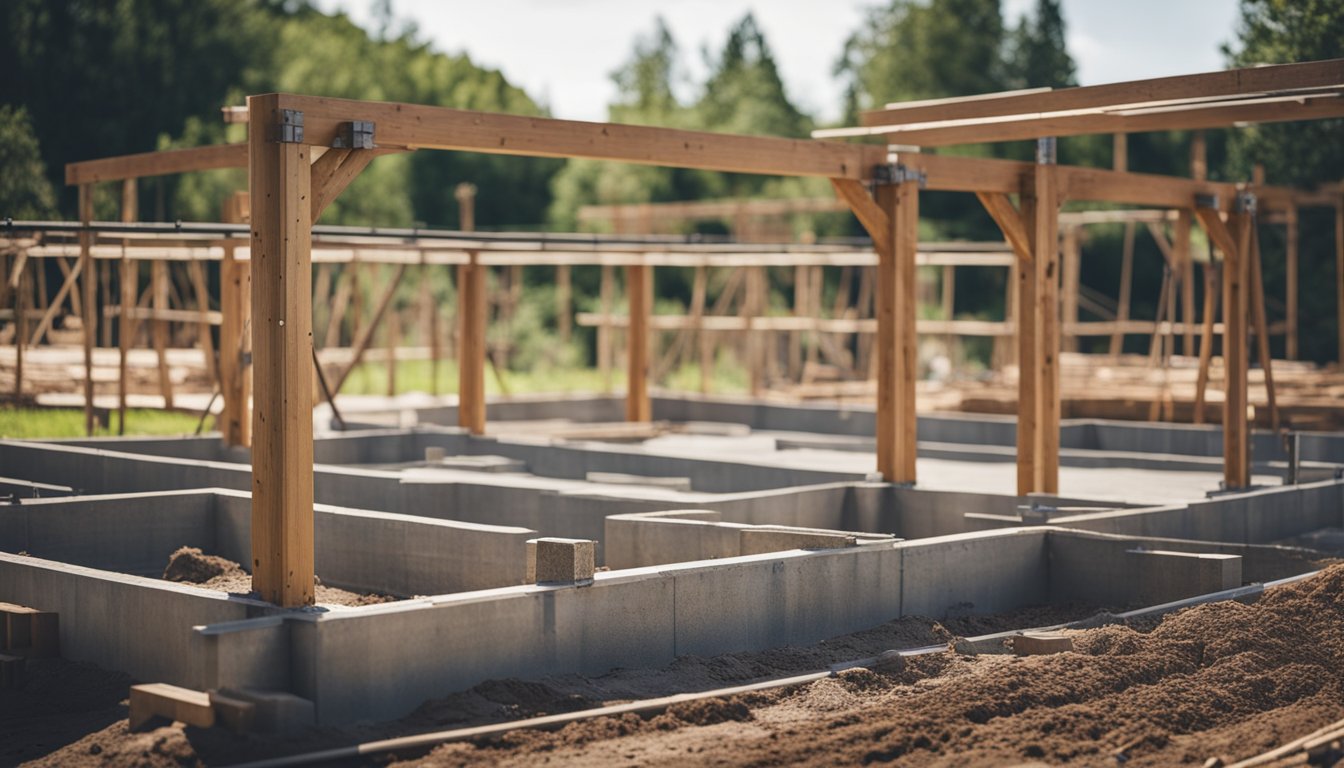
(235,304)
(1116,120)
(1043,202)
(336,176)
(282,423)
(1010,222)
(897,340)
(87,281)
(683,210)
(1290,277)
(1233,239)
(129,282)
(414,126)
(639,294)
(866,210)
(1228,83)
(472,312)
(161,163)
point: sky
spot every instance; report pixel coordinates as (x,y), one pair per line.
(562,52)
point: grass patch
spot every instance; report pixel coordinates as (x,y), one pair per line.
(33,423)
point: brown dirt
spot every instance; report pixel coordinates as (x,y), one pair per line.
(1223,679)
(190,565)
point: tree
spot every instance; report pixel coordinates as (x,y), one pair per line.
(912,50)
(25,192)
(1037,55)
(1301,154)
(744,92)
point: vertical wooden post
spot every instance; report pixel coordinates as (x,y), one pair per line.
(1339,277)
(392,336)
(800,274)
(235,304)
(282,425)
(429,321)
(948,301)
(201,287)
(1126,287)
(471,317)
(88,280)
(1290,282)
(1211,292)
(1120,152)
(129,281)
(1043,232)
(22,295)
(1261,323)
(158,272)
(1236,272)
(753,308)
(564,311)
(604,331)
(1185,266)
(1070,278)
(897,341)
(639,292)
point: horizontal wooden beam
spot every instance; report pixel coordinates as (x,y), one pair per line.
(1228,83)
(414,126)
(1098,185)
(162,163)
(1036,125)
(710,209)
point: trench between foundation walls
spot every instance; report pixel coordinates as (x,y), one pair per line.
(648,707)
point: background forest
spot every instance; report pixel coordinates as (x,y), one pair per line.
(78,73)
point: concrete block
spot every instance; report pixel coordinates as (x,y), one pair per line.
(11,671)
(1164,576)
(1041,643)
(755,541)
(553,560)
(273,711)
(30,631)
(235,714)
(157,702)
(435,453)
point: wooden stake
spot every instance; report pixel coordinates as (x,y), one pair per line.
(235,302)
(472,317)
(639,290)
(564,310)
(1257,288)
(1126,286)
(1211,294)
(604,332)
(1290,283)
(1185,264)
(129,282)
(159,281)
(282,424)
(393,341)
(90,307)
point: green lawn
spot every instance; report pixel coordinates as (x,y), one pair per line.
(414,376)
(28,423)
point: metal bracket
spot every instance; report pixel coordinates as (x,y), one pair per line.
(1245,203)
(290,128)
(1206,201)
(1047,151)
(356,134)
(898,173)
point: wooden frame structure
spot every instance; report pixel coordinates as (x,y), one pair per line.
(290,183)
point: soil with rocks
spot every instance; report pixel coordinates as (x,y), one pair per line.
(190,565)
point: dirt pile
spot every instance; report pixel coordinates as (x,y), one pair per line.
(193,566)
(1223,679)
(190,565)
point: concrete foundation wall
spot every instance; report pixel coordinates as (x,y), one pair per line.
(137,625)
(1125,573)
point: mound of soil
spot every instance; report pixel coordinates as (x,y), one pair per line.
(193,566)
(1221,680)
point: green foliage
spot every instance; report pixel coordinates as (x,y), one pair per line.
(1037,55)
(25,192)
(37,423)
(744,93)
(1299,154)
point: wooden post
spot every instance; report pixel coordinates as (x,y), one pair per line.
(1211,293)
(88,282)
(282,423)
(948,301)
(1339,277)
(22,295)
(429,322)
(564,311)
(1236,457)
(639,292)
(1290,283)
(393,339)
(1120,152)
(1257,288)
(753,308)
(129,281)
(471,317)
(604,331)
(235,303)
(800,274)
(1070,277)
(159,282)
(1043,231)
(1126,287)
(1185,266)
(897,342)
